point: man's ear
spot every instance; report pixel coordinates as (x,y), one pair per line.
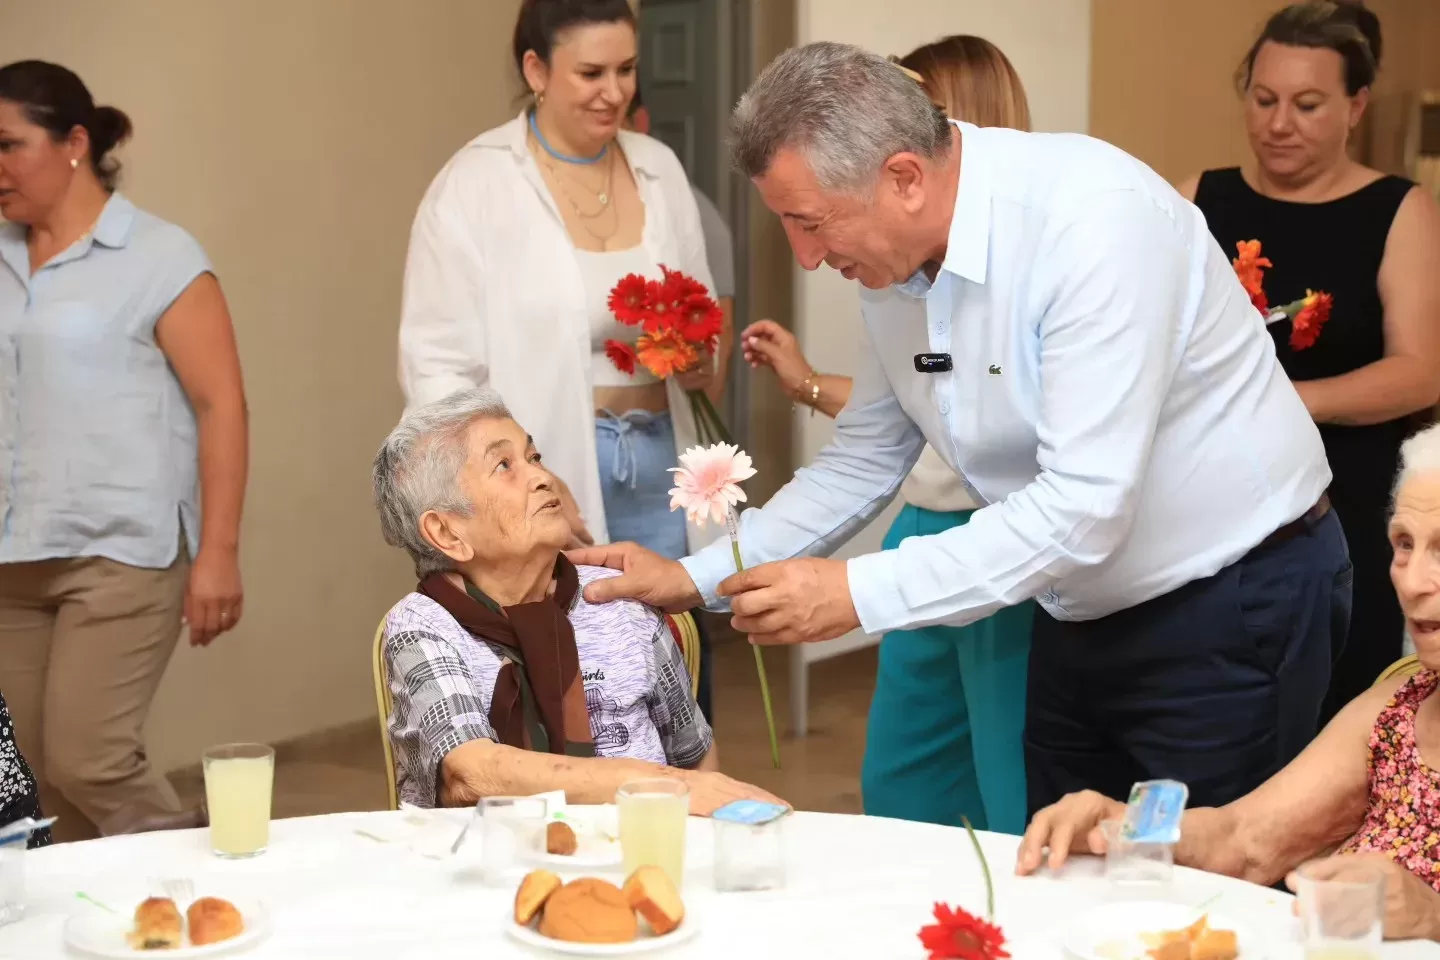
(904,175)
(440,532)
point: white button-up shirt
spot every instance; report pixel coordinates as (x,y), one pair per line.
(494,296)
(1115,399)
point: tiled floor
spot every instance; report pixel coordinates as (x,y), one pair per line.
(343,769)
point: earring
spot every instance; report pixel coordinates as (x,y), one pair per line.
(539,97)
(74,164)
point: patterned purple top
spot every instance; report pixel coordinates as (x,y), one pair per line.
(441,679)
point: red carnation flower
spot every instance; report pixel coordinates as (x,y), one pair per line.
(630,299)
(1314,311)
(957,935)
(622,355)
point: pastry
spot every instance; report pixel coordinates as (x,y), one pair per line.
(1215,945)
(534,890)
(157,925)
(560,839)
(650,893)
(589,911)
(212,920)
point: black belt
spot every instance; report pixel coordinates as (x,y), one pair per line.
(1299,525)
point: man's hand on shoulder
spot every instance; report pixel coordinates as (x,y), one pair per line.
(644,575)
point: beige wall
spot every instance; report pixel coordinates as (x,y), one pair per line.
(1162,81)
(294,139)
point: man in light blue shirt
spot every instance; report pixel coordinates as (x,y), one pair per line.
(1059,324)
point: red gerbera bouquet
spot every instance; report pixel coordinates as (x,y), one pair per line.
(1306,315)
(680,324)
(959,935)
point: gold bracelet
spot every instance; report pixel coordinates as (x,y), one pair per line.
(813,381)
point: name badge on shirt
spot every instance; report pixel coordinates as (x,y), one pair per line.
(1154,812)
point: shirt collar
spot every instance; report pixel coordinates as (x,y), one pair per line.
(640,150)
(116,220)
(967,251)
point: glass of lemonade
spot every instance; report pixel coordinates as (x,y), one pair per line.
(653,814)
(1343,915)
(239,778)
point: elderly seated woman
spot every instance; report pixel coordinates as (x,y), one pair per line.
(505,680)
(1367,787)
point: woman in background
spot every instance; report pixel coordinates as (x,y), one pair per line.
(123,447)
(1371,241)
(944,736)
(513,254)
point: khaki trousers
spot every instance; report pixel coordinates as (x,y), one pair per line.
(83,645)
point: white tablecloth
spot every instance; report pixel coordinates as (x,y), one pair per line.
(858,887)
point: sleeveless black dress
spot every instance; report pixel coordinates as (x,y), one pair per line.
(1336,247)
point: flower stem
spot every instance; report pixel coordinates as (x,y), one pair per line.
(733,526)
(718,425)
(985,869)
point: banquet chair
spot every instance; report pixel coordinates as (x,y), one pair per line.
(1404,667)
(383,706)
(687,637)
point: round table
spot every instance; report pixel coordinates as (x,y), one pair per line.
(352,887)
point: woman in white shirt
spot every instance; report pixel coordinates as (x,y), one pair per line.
(943,739)
(513,254)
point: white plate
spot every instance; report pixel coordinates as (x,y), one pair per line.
(1112,931)
(645,943)
(97,933)
(597,843)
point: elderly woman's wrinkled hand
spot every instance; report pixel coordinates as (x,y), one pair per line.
(1412,906)
(710,790)
(1070,826)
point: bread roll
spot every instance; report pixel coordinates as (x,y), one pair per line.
(589,911)
(213,920)
(532,893)
(650,892)
(157,925)
(560,839)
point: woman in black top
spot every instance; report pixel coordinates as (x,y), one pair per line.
(1371,241)
(18,796)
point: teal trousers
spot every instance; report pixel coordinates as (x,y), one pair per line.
(945,724)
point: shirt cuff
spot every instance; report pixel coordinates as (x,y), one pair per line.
(707,568)
(875,591)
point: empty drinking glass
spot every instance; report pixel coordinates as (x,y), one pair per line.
(1130,862)
(512,831)
(1342,909)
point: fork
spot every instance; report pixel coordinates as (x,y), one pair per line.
(179,889)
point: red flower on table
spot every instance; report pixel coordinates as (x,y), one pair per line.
(957,935)
(622,355)
(1305,325)
(629,300)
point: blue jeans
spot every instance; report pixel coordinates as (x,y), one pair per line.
(1217,684)
(636,451)
(944,734)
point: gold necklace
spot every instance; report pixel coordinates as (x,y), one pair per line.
(604,195)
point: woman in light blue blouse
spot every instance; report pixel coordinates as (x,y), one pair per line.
(122,438)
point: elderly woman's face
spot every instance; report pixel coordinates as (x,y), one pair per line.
(516,504)
(1415,569)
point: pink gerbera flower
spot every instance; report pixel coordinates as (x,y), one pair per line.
(707,482)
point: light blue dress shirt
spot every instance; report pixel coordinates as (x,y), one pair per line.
(1115,400)
(98,448)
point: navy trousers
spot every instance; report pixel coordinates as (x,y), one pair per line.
(1218,684)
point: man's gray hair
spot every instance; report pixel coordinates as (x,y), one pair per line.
(418,467)
(845,109)
(1419,454)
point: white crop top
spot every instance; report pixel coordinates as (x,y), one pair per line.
(600,272)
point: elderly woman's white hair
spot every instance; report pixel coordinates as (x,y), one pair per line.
(418,468)
(1419,454)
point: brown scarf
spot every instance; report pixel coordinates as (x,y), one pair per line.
(539,698)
